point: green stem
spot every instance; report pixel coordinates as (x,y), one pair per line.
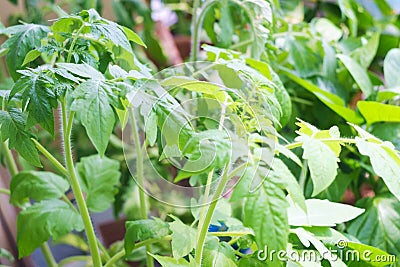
(74,40)
(343,140)
(5,191)
(114,259)
(76,188)
(140,181)
(197,23)
(103,250)
(12,166)
(231,233)
(48,256)
(204,227)
(303,175)
(50,157)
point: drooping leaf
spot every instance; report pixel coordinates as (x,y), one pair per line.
(99,177)
(37,186)
(94,101)
(320,153)
(334,102)
(184,238)
(25,38)
(13,124)
(322,213)
(265,212)
(322,163)
(142,230)
(37,223)
(359,74)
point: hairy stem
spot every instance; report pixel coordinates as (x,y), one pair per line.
(50,157)
(140,181)
(76,188)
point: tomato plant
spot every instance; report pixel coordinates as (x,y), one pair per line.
(245,155)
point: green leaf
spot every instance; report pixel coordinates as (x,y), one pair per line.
(37,223)
(282,172)
(265,212)
(99,178)
(304,59)
(322,162)
(307,238)
(365,54)
(132,36)
(359,74)
(25,39)
(38,98)
(142,230)
(13,124)
(171,262)
(151,129)
(322,213)
(384,160)
(260,14)
(197,86)
(391,68)
(184,238)
(387,113)
(226,24)
(333,101)
(218,254)
(37,186)
(82,70)
(31,56)
(250,262)
(93,101)
(379,226)
(347,10)
(368,254)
